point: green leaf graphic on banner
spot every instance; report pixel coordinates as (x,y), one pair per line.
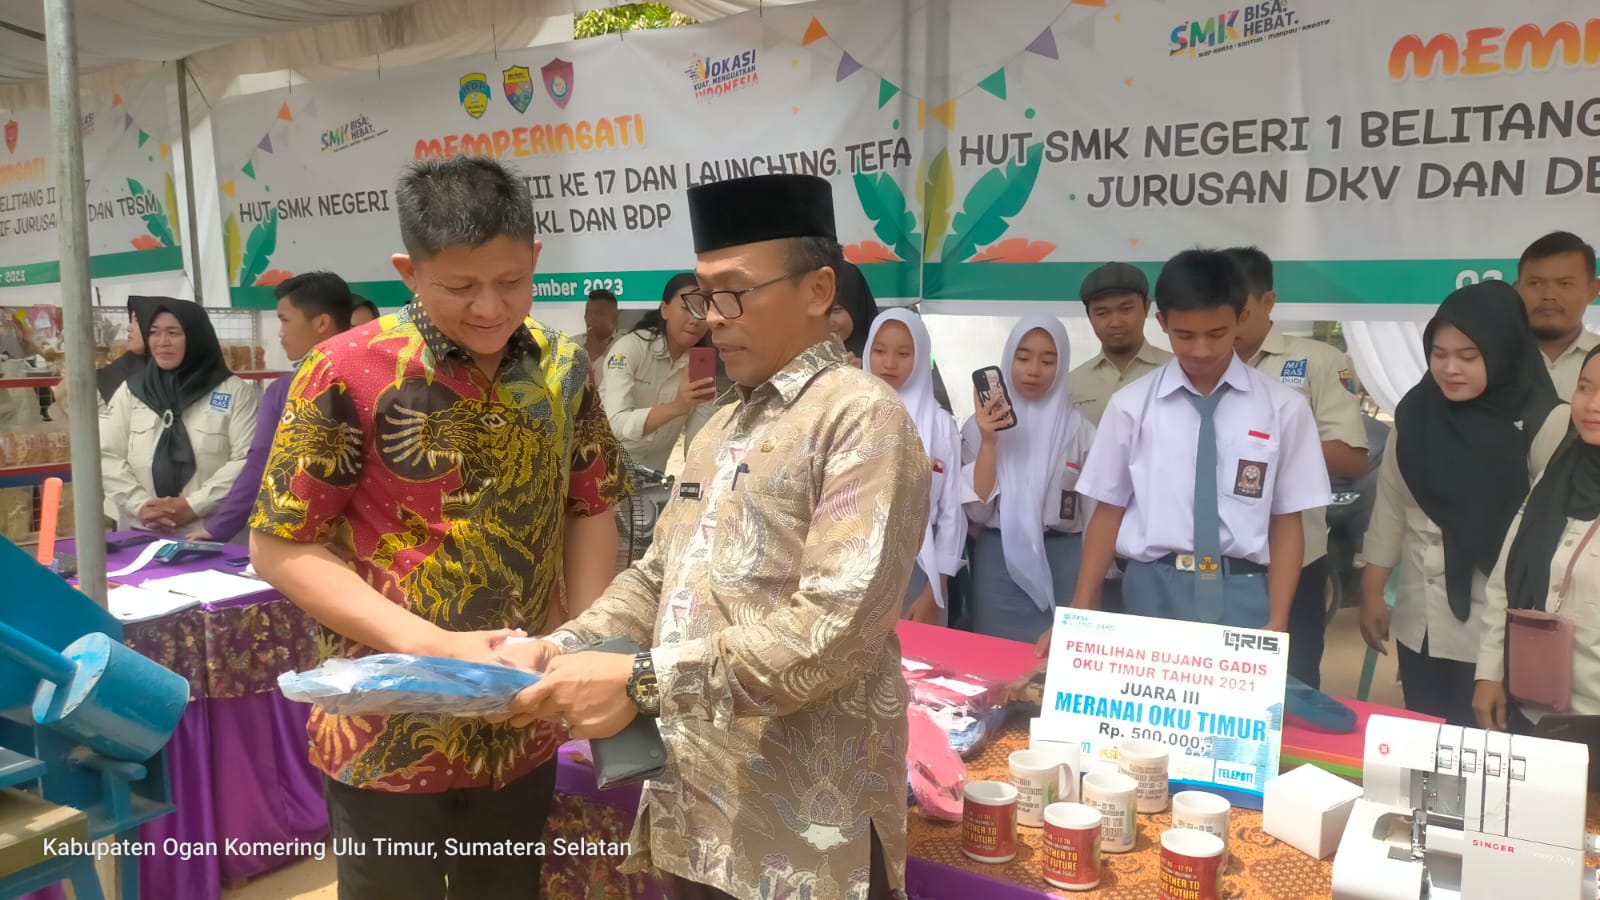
(259,249)
(156,224)
(996,197)
(885,204)
(230,246)
(938,196)
(172,211)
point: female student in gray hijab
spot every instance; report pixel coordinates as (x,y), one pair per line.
(175,435)
(1551,564)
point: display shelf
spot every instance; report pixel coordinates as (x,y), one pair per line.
(38,381)
(27,476)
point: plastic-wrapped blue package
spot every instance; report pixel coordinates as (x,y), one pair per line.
(400,683)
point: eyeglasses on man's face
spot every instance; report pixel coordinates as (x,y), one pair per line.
(728,304)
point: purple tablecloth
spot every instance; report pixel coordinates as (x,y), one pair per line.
(238,760)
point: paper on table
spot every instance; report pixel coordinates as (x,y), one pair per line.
(207,585)
(136,604)
(142,560)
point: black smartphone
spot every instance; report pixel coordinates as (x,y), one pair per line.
(239,561)
(130,540)
(988,382)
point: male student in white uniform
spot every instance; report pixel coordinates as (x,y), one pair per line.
(1202,469)
(1323,375)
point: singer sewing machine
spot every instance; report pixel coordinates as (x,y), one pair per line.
(1452,812)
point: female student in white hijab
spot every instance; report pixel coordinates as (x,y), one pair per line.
(899,352)
(1020,487)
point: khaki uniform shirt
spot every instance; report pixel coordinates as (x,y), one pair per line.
(1401,534)
(1093,383)
(1566,368)
(638,374)
(770,596)
(220,429)
(1580,605)
(1324,376)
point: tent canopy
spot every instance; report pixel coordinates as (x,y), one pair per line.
(229,38)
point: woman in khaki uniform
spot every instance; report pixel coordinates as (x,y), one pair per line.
(175,435)
(1468,440)
(1551,563)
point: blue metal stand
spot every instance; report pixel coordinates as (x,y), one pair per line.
(83,720)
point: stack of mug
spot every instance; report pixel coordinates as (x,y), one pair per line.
(1086,815)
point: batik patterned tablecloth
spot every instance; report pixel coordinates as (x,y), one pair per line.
(1261,866)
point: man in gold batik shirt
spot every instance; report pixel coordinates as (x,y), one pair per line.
(770,594)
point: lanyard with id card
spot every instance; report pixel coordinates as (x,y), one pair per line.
(1539,646)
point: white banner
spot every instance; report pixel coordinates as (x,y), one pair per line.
(1381,152)
(1212,695)
(132,200)
(610,133)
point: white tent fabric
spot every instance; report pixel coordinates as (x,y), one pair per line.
(224,39)
(1388,358)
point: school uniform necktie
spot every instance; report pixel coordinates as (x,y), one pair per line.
(1208,594)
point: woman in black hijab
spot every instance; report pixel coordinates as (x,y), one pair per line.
(115,373)
(1468,439)
(175,436)
(854,308)
(1544,539)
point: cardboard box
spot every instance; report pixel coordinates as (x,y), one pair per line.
(1307,808)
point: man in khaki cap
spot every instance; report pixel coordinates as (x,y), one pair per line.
(1117,298)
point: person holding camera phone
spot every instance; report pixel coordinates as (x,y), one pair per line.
(649,385)
(1024,448)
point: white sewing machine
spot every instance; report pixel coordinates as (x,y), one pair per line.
(1450,812)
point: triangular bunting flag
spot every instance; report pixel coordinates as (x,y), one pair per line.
(1045,45)
(995,84)
(1099,3)
(227,188)
(143,136)
(945,112)
(127,121)
(284,114)
(166,150)
(116,100)
(249,170)
(1082,33)
(814,32)
(266,143)
(847,67)
(886,92)
(922,114)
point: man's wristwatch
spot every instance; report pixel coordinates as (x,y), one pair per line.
(642,689)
